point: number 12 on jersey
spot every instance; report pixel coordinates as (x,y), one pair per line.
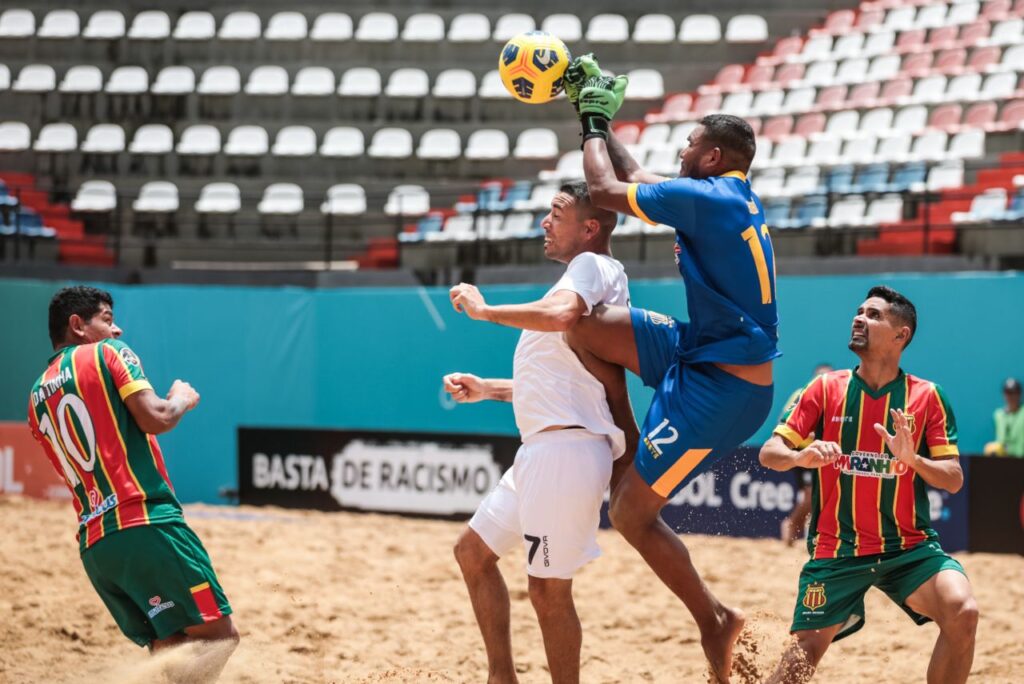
(757,251)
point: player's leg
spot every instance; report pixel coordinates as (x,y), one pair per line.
(220,638)
(560,626)
(803,655)
(492,531)
(607,333)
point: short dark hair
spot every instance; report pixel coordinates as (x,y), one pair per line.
(580,192)
(731,133)
(901,307)
(78,299)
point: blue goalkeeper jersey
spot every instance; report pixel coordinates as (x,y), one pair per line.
(725,256)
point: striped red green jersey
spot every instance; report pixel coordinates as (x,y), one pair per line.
(115,471)
(867,502)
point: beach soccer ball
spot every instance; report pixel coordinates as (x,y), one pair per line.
(531,66)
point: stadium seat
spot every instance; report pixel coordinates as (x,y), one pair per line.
(822,151)
(738,103)
(313,82)
(158,197)
(962,13)
(700,28)
(789,74)
(377,27)
(999,86)
(746,28)
(199,139)
(811,212)
(900,18)
(331,27)
(776,212)
(492,88)
(174,80)
(152,139)
(1013,59)
(768,183)
(863,95)
(423,28)
(82,78)
(883,68)
(947,174)
(56,137)
(469,27)
(536,143)
(968,144)
(519,225)
(909,178)
(360,82)
(105,25)
(645,84)
(342,142)
(59,24)
(805,180)
(569,167)
(799,100)
(247,141)
(984,59)
(268,80)
(391,143)
(344,199)
(565,26)
(917,64)
(885,209)
(15,136)
(848,46)
(487,144)
(17,23)
(1007,32)
(768,103)
(408,82)
(540,197)
(439,143)
(871,178)
(455,83)
(931,16)
(407,200)
(294,141)
(910,119)
(128,80)
(150,25)
(858,150)
(963,87)
(35,78)
(848,211)
(877,121)
(104,139)
(778,127)
(195,26)
(95,196)
(283,199)
(509,25)
(654,28)
(817,48)
(1010,118)
(287,26)
(789,152)
(240,26)
(843,124)
(986,206)
(219,80)
(946,117)
(831,97)
(219,198)
(608,28)
(929,146)
(820,74)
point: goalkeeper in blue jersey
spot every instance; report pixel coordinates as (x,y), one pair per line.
(712,375)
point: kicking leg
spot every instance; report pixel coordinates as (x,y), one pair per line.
(489,596)
(803,655)
(948,600)
(560,626)
(222,638)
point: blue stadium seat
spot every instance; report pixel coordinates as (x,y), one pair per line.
(1015,212)
(909,177)
(776,212)
(518,192)
(840,179)
(872,178)
(812,210)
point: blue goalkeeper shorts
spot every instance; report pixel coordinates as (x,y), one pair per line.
(699,413)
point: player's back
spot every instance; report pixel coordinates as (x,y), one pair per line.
(115,471)
(724,253)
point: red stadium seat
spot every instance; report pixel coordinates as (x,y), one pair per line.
(809,124)
(943,36)
(759,76)
(786,47)
(839,22)
(627,133)
(895,89)
(950,61)
(778,127)
(788,73)
(728,76)
(832,97)
(864,94)
(994,10)
(984,57)
(917,64)
(1011,118)
(677,107)
(946,117)
(910,41)
(755,124)
(972,33)
(980,115)
(869,18)
(707,104)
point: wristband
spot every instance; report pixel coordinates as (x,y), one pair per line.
(594,126)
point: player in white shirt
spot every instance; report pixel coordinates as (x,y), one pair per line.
(550,499)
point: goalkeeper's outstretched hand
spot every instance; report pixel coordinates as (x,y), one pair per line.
(577,73)
(599,101)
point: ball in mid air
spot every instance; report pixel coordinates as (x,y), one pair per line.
(531,66)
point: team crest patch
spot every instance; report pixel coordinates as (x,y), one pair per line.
(129,357)
(910,421)
(751,207)
(814,597)
(660,319)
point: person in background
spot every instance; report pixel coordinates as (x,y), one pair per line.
(1009,421)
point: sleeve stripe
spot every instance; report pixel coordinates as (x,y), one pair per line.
(132,387)
(631,197)
(789,433)
(943,451)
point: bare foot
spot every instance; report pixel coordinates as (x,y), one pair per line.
(718,645)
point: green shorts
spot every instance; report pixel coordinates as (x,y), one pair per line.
(155,580)
(832,590)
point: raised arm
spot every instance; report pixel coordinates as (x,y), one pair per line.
(627,169)
(554,313)
(154,415)
(467,388)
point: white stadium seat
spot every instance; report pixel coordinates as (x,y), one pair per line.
(964,87)
(56,137)
(240,26)
(439,143)
(491,86)
(17,23)
(408,82)
(270,80)
(199,139)
(847,46)
(883,68)
(998,86)
(746,28)
(984,207)
(877,121)
(929,146)
(313,81)
(799,100)
(608,28)
(645,84)
(487,143)
(843,124)
(894,147)
(59,24)
(294,141)
(1007,32)
(816,48)
(219,198)
(150,25)
(128,80)
(423,28)
(470,27)
(654,28)
(174,80)
(929,89)
(219,80)
(879,43)
(565,26)
(331,27)
(391,143)
(455,83)
(35,78)
(848,211)
(281,199)
(509,25)
(900,18)
(247,141)
(95,196)
(360,82)
(700,28)
(342,142)
(152,139)
(803,181)
(287,26)
(105,25)
(738,103)
(768,182)
(104,139)
(407,200)
(377,27)
(570,166)
(910,119)
(536,143)
(931,16)
(962,13)
(344,199)
(851,70)
(820,74)
(15,136)
(159,197)
(195,26)
(885,209)
(82,78)
(947,174)
(969,144)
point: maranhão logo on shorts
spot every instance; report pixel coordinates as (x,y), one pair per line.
(159,606)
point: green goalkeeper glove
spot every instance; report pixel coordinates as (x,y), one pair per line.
(599,101)
(576,74)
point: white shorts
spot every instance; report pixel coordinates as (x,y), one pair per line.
(549,501)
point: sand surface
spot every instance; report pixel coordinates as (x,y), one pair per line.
(366,598)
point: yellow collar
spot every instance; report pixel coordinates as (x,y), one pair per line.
(735,174)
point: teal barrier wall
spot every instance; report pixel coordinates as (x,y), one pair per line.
(373,358)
